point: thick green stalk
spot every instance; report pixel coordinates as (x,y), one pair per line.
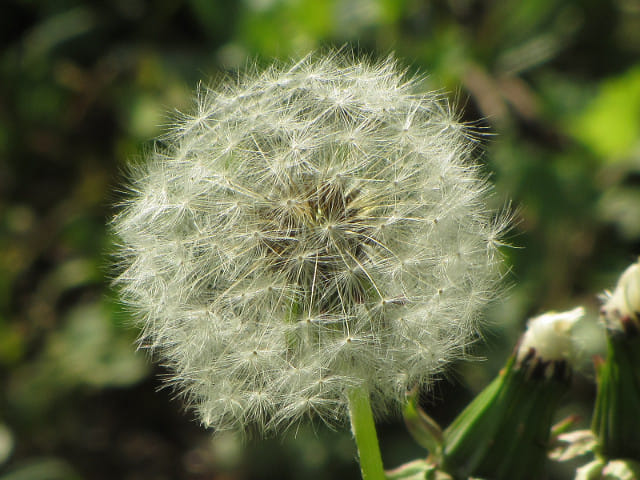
(364,431)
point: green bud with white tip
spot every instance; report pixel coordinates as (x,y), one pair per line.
(503,433)
(616,423)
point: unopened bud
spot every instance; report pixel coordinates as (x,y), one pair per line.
(615,421)
(548,345)
(482,440)
(621,309)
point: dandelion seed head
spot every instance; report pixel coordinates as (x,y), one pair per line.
(313,228)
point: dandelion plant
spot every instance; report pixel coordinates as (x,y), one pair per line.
(310,240)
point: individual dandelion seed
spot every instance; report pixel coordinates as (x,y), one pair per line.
(312,230)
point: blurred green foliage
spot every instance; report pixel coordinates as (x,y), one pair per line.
(85,85)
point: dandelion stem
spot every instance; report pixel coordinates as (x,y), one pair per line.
(364,432)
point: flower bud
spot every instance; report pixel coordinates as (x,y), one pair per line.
(616,422)
(621,309)
(504,432)
(547,345)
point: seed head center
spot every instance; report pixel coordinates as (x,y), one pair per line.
(315,235)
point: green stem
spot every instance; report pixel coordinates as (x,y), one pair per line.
(364,431)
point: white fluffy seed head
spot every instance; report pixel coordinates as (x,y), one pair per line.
(309,229)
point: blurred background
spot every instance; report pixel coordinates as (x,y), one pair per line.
(85,86)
